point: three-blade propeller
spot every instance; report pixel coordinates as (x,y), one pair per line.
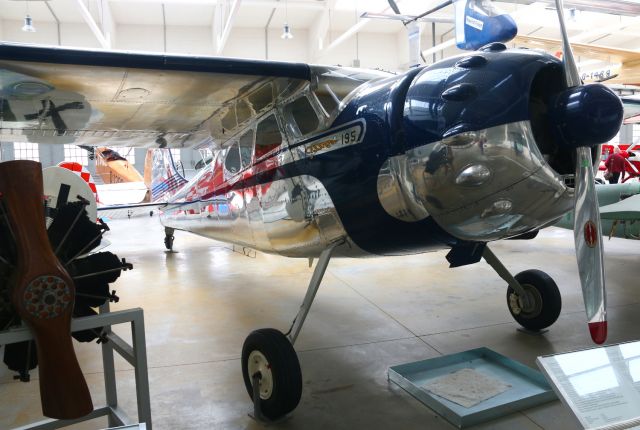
(587,116)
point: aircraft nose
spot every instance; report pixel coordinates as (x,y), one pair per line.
(586,115)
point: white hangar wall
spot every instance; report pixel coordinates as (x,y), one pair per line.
(384,50)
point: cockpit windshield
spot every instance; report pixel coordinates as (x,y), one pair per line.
(335,83)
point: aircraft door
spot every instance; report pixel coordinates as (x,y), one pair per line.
(231,208)
(291,206)
(250,191)
(272,161)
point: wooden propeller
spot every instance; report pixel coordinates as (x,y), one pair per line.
(42,292)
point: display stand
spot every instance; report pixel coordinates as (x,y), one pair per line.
(135,354)
(600,386)
(526,387)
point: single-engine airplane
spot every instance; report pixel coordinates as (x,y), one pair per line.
(318,161)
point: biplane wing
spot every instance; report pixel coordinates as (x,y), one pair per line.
(628,72)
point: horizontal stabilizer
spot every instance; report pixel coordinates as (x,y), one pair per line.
(122,193)
(128,211)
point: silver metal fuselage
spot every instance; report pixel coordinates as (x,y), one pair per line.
(480,185)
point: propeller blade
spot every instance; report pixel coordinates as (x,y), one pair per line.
(570,67)
(587,230)
(587,235)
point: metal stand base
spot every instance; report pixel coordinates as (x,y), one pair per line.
(135,354)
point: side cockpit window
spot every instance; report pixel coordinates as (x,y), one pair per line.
(232,163)
(246,148)
(327,99)
(303,114)
(268,136)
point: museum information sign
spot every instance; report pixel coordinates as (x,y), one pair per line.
(601,385)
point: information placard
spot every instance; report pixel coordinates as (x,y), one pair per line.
(601,386)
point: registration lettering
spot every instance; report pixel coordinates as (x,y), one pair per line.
(345,137)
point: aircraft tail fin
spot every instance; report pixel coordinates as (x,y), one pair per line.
(161,175)
(479,22)
(81,171)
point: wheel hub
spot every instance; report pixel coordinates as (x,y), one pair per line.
(258,363)
(530,305)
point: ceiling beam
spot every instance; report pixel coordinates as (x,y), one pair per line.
(319,30)
(293,4)
(55,17)
(223,18)
(439,47)
(351,31)
(108,24)
(104,42)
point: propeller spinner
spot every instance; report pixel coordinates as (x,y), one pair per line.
(586,116)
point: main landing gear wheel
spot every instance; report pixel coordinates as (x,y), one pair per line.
(168,242)
(168,238)
(269,353)
(542,304)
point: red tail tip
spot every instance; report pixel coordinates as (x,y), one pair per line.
(598,331)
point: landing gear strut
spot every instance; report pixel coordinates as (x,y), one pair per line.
(269,360)
(168,238)
(533,297)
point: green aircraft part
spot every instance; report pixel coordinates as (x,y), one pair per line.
(619,210)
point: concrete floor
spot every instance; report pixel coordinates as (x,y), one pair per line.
(201,301)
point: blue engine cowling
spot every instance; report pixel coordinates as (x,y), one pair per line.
(481,155)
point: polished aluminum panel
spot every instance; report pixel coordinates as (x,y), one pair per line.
(299,216)
(397,191)
(482,185)
(293,217)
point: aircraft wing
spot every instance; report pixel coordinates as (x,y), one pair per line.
(631,109)
(618,7)
(627,209)
(61,95)
(596,52)
(627,73)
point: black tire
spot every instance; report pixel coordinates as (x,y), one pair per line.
(546,301)
(285,371)
(168,242)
